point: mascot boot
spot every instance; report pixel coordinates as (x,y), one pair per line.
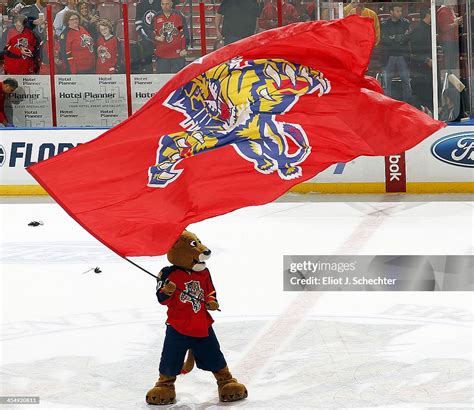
(228,387)
(163,392)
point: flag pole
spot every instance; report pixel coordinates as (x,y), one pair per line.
(139,267)
(177,288)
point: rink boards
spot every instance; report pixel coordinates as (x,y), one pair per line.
(443,163)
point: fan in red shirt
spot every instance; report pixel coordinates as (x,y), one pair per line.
(269,17)
(171,39)
(448,25)
(19,48)
(8,86)
(77,46)
(108,49)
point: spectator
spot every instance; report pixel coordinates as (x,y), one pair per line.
(289,13)
(312,11)
(301,9)
(421,62)
(19,48)
(171,39)
(354,7)
(35,14)
(8,86)
(236,19)
(269,16)
(35,17)
(15,9)
(108,49)
(88,18)
(396,50)
(448,30)
(44,53)
(472,25)
(146,12)
(58,22)
(77,46)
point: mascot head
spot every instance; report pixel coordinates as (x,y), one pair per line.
(189,253)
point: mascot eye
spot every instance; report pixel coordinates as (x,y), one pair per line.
(193,243)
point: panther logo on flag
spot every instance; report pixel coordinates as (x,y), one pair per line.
(192,294)
(236,103)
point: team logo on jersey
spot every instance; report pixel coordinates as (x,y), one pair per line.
(236,103)
(193,294)
(149,15)
(103,53)
(168,31)
(86,41)
(22,43)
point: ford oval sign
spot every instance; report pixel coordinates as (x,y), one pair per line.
(3,155)
(456,149)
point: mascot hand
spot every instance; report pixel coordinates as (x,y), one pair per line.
(169,288)
(212,305)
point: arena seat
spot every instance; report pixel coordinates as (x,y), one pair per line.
(111,11)
(132,33)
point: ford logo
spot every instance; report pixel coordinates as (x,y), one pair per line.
(3,155)
(455,149)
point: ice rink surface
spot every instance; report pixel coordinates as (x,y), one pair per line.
(93,341)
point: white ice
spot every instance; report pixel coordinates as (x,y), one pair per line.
(86,340)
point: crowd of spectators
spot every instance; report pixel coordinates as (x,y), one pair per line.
(85,42)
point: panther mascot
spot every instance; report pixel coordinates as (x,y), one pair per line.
(186,288)
(236,103)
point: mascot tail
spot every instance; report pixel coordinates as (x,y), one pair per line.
(188,365)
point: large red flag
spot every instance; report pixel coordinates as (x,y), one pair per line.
(238,127)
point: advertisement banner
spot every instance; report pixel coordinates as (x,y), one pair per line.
(395,173)
(145,86)
(30,105)
(447,156)
(91,100)
(21,148)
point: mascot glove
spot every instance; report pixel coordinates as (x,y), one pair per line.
(212,305)
(169,288)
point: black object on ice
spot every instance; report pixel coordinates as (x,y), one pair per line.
(96,270)
(35,223)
